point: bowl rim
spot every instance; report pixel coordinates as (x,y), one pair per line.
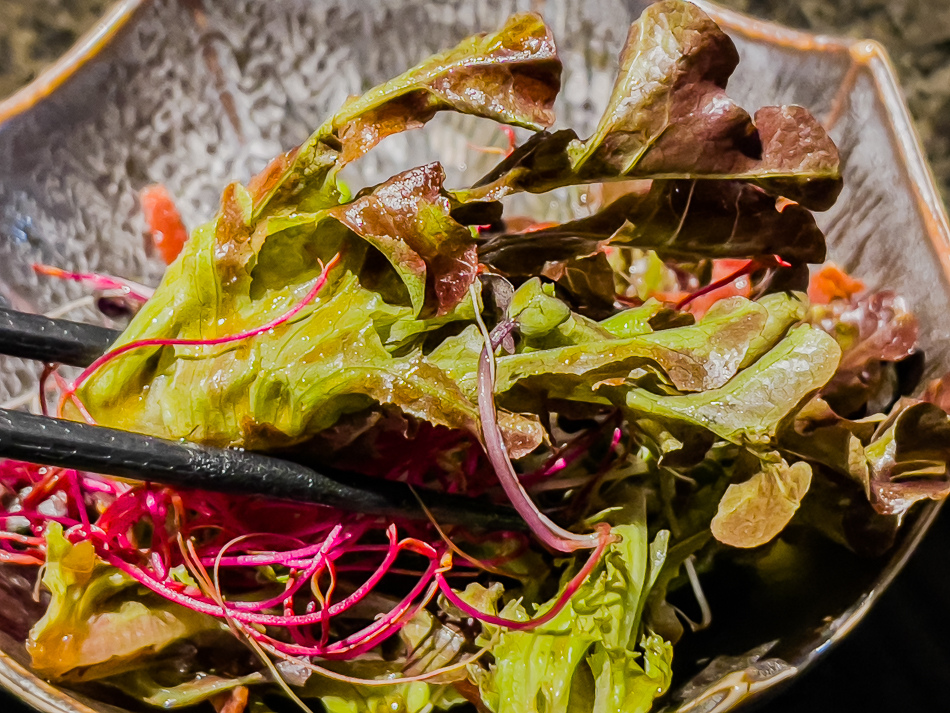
(731,690)
(86,48)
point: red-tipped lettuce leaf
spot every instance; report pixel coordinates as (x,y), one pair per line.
(407,219)
(511,76)
(909,458)
(681,220)
(669,117)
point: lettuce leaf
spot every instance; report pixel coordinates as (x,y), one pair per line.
(897,459)
(873,329)
(591,658)
(511,76)
(98,624)
(282,386)
(669,117)
(412,697)
(751,406)
(142,685)
(909,458)
(679,220)
(695,358)
(265,248)
(753,512)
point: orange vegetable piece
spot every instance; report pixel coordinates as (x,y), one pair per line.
(164,222)
(832,283)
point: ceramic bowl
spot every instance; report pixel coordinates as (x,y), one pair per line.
(195,94)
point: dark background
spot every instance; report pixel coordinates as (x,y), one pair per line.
(899,657)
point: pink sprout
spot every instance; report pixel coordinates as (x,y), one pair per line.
(604,539)
(548,532)
(157,342)
(98,281)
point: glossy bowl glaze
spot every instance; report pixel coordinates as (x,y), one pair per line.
(195,94)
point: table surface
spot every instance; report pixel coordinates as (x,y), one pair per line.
(898,658)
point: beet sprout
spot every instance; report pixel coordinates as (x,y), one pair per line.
(475,562)
(239,631)
(747,269)
(98,281)
(551,534)
(20,558)
(504,152)
(336,676)
(151,533)
(509,133)
(213,528)
(175,342)
(604,539)
(571,452)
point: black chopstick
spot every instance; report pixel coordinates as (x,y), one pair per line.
(50,441)
(55,442)
(59,341)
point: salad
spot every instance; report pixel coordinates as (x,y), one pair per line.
(672,378)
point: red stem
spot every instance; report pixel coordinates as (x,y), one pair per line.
(604,539)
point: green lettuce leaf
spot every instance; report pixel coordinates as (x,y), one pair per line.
(412,697)
(564,355)
(695,358)
(97,623)
(634,321)
(335,357)
(591,657)
(753,512)
(143,685)
(750,407)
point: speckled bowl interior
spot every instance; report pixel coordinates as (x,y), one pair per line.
(196,94)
